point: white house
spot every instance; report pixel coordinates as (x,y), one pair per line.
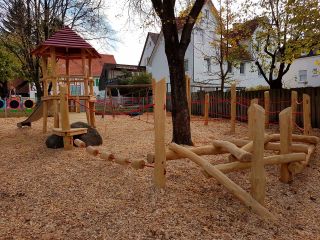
(200,65)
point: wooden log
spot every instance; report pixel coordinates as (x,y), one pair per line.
(294,100)
(271,160)
(203,150)
(77,101)
(250,123)
(258,173)
(238,153)
(236,190)
(79,143)
(160,125)
(267,108)
(249,145)
(64,113)
(295,147)
(285,118)
(233,111)
(92,151)
(138,164)
(92,114)
(122,161)
(206,109)
(107,156)
(45,116)
(298,167)
(306,115)
(298,138)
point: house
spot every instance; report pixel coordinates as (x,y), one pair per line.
(198,64)
(203,70)
(75,67)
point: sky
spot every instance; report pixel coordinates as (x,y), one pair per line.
(130,35)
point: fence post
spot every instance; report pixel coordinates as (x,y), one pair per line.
(206,108)
(258,173)
(233,107)
(306,115)
(285,119)
(160,124)
(250,123)
(266,108)
(188,91)
(294,100)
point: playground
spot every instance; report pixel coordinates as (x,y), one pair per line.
(57,194)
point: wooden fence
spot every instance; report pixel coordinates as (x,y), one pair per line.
(219,104)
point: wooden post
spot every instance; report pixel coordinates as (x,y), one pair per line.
(160,124)
(267,108)
(86,87)
(45,93)
(306,115)
(54,86)
(65,123)
(188,91)
(250,123)
(285,118)
(91,80)
(77,104)
(92,114)
(258,173)
(294,100)
(233,107)
(206,108)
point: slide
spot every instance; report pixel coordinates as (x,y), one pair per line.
(35,116)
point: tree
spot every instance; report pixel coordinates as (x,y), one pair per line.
(26,23)
(10,69)
(176,43)
(287,29)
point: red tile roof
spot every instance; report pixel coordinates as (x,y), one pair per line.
(68,44)
(76,65)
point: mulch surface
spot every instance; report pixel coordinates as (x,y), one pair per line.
(57,194)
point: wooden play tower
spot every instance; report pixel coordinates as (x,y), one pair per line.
(66,45)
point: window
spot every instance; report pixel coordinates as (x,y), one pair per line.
(207,64)
(96,82)
(302,75)
(229,67)
(186,65)
(147,60)
(201,36)
(206,13)
(242,68)
(315,72)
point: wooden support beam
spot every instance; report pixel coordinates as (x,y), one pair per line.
(271,160)
(203,150)
(160,125)
(206,108)
(92,114)
(258,173)
(250,124)
(233,107)
(267,108)
(65,122)
(238,153)
(235,189)
(45,116)
(294,100)
(285,118)
(53,61)
(306,115)
(77,102)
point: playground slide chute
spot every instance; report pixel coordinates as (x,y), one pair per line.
(35,116)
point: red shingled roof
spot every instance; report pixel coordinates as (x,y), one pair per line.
(75,65)
(67,43)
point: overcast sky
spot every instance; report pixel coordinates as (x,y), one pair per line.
(131,36)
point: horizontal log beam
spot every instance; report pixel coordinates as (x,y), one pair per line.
(238,153)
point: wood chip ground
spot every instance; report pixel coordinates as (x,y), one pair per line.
(57,194)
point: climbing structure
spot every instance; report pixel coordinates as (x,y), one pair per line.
(64,45)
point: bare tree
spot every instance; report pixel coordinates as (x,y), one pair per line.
(26,23)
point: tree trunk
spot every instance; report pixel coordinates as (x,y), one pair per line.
(276,84)
(180,111)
